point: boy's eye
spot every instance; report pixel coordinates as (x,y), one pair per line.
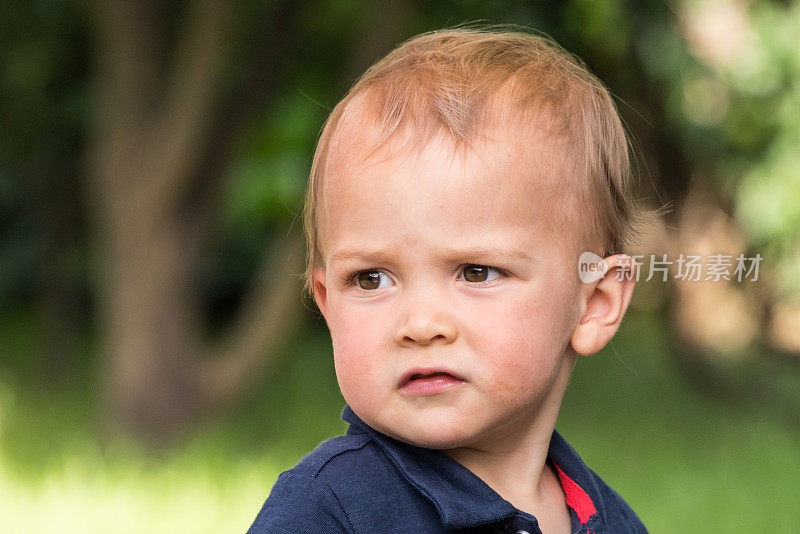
(480,273)
(372,280)
(473,273)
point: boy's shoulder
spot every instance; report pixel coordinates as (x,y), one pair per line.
(330,455)
(366,482)
(346,484)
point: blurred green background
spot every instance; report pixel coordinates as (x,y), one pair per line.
(158,366)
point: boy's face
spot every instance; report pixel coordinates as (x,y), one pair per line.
(437,262)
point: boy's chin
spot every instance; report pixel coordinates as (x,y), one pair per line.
(438,442)
(433,434)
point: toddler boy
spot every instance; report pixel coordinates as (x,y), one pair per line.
(452,192)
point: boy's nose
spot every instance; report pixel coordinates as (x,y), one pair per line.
(426,322)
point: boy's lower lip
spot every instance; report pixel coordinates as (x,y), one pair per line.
(430,385)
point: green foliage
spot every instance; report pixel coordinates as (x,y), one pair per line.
(268,180)
(767,197)
(591,20)
(43,95)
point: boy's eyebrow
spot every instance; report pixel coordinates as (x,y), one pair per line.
(474,253)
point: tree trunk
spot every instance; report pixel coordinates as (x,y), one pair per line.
(159,151)
(154,331)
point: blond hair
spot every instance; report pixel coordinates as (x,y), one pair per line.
(445,80)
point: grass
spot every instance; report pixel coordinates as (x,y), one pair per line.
(686,462)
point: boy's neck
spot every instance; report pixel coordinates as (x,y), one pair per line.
(513,461)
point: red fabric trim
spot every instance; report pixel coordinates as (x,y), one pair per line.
(577,499)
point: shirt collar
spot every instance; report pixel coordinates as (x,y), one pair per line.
(461,498)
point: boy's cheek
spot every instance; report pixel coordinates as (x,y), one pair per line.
(350,348)
(516,365)
(353,328)
(362,379)
(358,343)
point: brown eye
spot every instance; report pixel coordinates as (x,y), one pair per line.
(476,273)
(480,273)
(372,280)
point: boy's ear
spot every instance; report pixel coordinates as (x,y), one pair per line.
(606,301)
(320,290)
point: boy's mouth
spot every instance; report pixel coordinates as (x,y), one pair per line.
(418,373)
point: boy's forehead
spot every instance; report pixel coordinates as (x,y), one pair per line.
(538,156)
(508,161)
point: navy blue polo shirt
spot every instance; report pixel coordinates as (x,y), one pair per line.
(368,483)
